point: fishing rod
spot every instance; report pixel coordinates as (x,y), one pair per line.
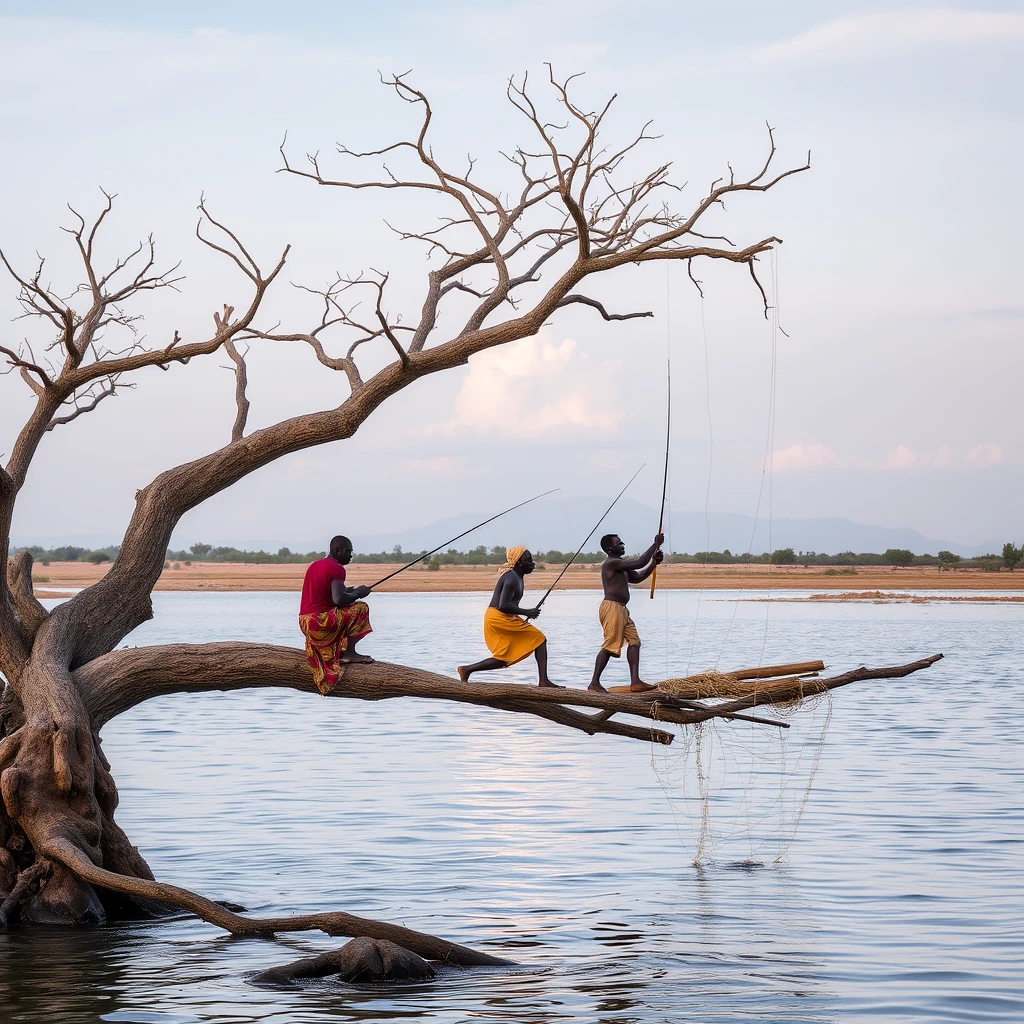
(664,482)
(589,535)
(409,565)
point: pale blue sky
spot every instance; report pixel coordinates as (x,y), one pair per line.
(898,388)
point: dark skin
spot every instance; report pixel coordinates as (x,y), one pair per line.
(617,573)
(508,592)
(343,597)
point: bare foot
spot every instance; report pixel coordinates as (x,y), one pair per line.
(641,687)
(597,688)
(547,682)
(355,659)
(463,674)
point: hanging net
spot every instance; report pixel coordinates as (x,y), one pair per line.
(737,790)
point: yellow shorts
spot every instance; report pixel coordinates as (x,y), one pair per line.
(508,637)
(618,627)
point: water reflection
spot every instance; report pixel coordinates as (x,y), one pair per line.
(902,899)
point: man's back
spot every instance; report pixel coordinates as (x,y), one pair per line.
(316,585)
(509,584)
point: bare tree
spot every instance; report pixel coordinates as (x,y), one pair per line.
(504,262)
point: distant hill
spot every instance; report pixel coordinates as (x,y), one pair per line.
(553,523)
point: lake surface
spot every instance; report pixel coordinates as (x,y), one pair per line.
(899,896)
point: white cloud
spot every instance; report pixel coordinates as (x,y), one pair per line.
(986,454)
(799,457)
(900,457)
(803,458)
(532,387)
(878,33)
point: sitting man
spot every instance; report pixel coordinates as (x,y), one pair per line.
(333,617)
(508,637)
(617,573)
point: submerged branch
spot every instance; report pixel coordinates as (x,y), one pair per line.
(332,922)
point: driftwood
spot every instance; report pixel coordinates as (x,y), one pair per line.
(360,961)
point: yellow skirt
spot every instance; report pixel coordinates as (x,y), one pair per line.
(508,637)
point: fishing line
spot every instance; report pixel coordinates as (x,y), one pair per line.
(766,462)
(604,516)
(771,442)
(707,491)
(668,471)
(427,554)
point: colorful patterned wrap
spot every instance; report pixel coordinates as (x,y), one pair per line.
(508,637)
(328,635)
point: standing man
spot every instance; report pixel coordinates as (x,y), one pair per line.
(508,637)
(617,573)
(333,618)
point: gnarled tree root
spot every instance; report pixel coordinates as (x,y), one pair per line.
(360,961)
(24,885)
(333,922)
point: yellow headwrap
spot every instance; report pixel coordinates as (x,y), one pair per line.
(512,555)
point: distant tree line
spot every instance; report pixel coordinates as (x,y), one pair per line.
(1010,558)
(891,557)
(68,553)
(480,555)
(209,553)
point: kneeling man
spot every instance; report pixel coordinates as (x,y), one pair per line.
(508,637)
(617,573)
(333,617)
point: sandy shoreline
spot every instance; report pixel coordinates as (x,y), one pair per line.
(227,576)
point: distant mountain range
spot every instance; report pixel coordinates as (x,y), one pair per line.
(553,523)
(563,525)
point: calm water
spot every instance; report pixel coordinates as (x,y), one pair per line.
(901,897)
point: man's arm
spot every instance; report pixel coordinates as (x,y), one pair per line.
(638,576)
(508,599)
(343,596)
(630,564)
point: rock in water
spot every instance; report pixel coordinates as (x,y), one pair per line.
(358,961)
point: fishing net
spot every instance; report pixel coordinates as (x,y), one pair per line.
(737,790)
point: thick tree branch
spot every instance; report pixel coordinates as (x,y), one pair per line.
(28,612)
(115,682)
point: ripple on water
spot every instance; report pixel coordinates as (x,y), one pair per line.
(901,898)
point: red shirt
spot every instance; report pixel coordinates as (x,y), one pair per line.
(316,587)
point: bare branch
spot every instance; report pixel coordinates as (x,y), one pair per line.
(764,297)
(88,401)
(696,283)
(593,303)
(16,361)
(241,399)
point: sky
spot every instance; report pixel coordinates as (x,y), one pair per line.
(890,395)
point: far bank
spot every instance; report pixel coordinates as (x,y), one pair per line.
(238,576)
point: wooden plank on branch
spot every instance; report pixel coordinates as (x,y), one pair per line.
(797,668)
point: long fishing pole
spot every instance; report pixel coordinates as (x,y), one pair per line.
(409,565)
(664,482)
(589,535)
